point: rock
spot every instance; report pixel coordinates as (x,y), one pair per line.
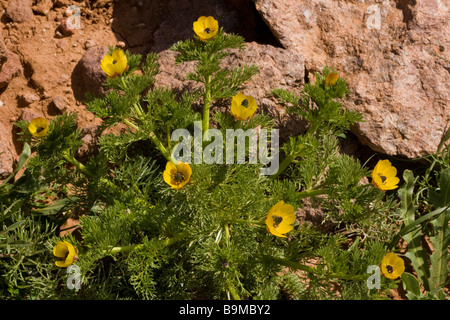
(6,153)
(3,50)
(64,78)
(91,73)
(19,10)
(67,28)
(62,3)
(136,25)
(10,69)
(59,104)
(387,53)
(27,98)
(89,44)
(28,115)
(43,7)
(89,136)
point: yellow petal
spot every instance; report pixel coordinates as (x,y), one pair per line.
(238,98)
(204,23)
(118,55)
(202,20)
(185,169)
(384,165)
(62,264)
(60,250)
(66,251)
(284,228)
(289,218)
(121,61)
(38,127)
(390,172)
(393,181)
(276,207)
(72,252)
(283,211)
(170,166)
(276,233)
(167,177)
(108,68)
(331,79)
(396,264)
(198,27)
(241,112)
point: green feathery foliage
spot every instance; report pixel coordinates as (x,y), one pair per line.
(138,238)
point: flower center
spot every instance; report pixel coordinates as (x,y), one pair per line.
(244,103)
(114,61)
(178,177)
(39,129)
(389,269)
(276,221)
(383,178)
(207,30)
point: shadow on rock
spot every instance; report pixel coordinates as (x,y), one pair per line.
(156,25)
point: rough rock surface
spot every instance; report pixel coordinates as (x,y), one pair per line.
(389,52)
(7,153)
(19,10)
(10,65)
(91,73)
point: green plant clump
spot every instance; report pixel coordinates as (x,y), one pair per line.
(138,236)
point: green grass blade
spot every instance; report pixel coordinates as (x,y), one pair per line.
(416,253)
(439,258)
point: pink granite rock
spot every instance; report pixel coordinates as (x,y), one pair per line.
(19,10)
(391,53)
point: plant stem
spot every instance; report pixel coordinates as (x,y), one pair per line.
(284,164)
(312,193)
(206,107)
(131,124)
(299,266)
(139,246)
(233,293)
(227,234)
(159,145)
(138,110)
(253,222)
(77,164)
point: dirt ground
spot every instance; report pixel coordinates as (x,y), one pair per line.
(49,58)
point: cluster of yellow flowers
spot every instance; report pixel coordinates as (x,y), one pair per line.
(281,217)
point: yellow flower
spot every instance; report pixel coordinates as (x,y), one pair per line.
(115,64)
(384,175)
(243,107)
(392,266)
(38,127)
(206,28)
(65,251)
(177,175)
(331,79)
(280,219)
